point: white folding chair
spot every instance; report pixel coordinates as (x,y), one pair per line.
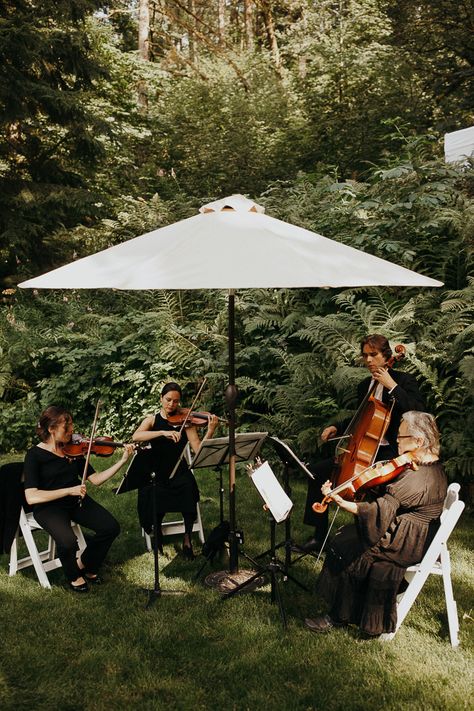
(43,561)
(435,561)
(173,528)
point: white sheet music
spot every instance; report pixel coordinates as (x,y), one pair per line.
(272,492)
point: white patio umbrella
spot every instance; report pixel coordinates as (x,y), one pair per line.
(230,245)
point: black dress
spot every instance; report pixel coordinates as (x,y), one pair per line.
(178,494)
(366,562)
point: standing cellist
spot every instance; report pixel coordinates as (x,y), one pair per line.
(394,388)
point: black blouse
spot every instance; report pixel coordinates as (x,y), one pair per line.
(45,470)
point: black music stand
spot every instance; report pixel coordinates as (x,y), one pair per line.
(214,453)
(209,456)
(290,461)
(275,569)
(137,476)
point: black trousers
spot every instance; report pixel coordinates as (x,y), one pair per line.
(322,472)
(56,519)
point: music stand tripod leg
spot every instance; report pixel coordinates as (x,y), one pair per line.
(157,592)
(272,569)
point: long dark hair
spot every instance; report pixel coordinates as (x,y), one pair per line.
(51,418)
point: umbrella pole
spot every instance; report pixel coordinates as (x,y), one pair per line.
(231,399)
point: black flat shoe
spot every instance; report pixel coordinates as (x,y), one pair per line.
(83,588)
(323,623)
(93,580)
(188,552)
(312,545)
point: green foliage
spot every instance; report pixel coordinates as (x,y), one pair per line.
(221,138)
(50,137)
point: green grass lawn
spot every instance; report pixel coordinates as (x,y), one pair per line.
(104,650)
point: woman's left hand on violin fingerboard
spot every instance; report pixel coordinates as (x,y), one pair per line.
(213,423)
(128,450)
(349,506)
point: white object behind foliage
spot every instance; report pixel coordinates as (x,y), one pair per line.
(459,145)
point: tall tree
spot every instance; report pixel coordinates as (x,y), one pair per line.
(438,38)
(49,135)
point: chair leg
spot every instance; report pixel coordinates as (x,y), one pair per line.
(406,600)
(35,559)
(13,565)
(81,541)
(451,607)
(199,525)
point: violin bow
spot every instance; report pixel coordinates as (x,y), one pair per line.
(192,405)
(183,426)
(88,455)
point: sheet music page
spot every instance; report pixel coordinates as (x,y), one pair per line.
(272,492)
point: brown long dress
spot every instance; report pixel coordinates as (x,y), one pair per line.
(366,562)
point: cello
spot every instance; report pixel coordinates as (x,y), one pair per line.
(364,433)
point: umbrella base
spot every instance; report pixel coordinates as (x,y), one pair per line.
(226,582)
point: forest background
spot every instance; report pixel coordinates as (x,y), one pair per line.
(120,118)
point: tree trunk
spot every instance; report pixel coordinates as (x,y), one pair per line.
(191,37)
(248,24)
(144,30)
(221,21)
(270,29)
(143,50)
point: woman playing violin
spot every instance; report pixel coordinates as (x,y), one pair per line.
(366,561)
(53,488)
(391,386)
(176,487)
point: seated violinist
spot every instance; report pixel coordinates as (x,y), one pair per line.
(176,487)
(391,386)
(53,488)
(366,561)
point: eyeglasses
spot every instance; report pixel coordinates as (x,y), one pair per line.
(404,437)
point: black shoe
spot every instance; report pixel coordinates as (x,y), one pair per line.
(188,552)
(83,588)
(93,580)
(311,545)
(320,624)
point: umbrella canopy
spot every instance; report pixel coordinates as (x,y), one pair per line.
(230,245)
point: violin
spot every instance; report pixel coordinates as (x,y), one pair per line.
(100,446)
(190,418)
(375,475)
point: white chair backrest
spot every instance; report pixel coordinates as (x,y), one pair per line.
(451,496)
(452,510)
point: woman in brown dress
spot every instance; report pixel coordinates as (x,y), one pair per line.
(366,561)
